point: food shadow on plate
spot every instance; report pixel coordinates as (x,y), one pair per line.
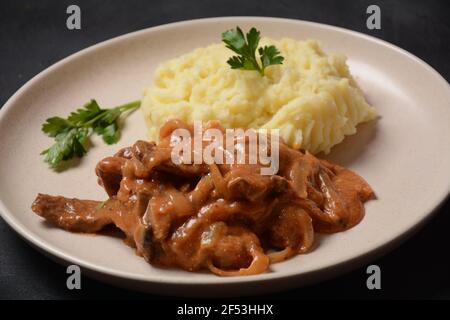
(68,164)
(353,146)
(108,231)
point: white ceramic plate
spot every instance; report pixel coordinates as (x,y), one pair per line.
(405,155)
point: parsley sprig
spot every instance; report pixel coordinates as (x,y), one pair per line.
(246,46)
(71,134)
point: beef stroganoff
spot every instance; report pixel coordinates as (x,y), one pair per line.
(227,218)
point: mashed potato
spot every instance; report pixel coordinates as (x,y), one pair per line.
(312,98)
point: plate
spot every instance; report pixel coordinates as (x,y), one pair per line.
(404,155)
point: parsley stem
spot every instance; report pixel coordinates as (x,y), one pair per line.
(256,64)
(128,106)
(131,105)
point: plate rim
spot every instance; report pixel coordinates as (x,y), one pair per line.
(48,249)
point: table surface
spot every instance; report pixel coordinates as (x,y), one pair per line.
(33,35)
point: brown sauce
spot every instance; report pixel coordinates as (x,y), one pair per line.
(225,218)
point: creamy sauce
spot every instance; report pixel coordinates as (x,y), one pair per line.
(225,218)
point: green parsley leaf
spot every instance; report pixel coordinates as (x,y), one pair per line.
(253,37)
(110,133)
(68,144)
(56,125)
(245,47)
(71,134)
(89,111)
(235,40)
(236,62)
(270,56)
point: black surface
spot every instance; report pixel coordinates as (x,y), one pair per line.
(33,36)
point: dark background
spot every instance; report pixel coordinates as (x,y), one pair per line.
(33,35)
